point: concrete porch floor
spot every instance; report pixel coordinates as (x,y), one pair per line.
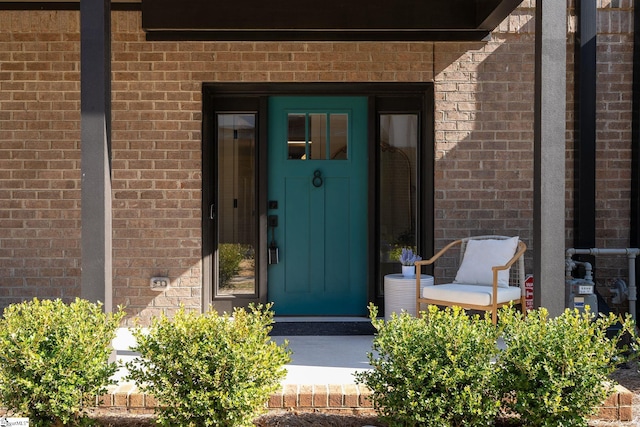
(319,376)
(314,359)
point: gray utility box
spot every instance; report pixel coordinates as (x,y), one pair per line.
(580,294)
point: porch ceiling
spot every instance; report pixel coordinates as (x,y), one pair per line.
(419,20)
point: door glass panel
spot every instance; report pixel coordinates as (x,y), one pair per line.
(339,133)
(297,136)
(317,136)
(236,204)
(398,188)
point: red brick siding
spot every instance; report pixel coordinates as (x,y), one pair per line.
(39,157)
(483,124)
(613,135)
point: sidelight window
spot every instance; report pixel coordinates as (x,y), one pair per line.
(236,204)
(398,201)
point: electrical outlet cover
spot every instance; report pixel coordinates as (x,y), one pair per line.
(159,283)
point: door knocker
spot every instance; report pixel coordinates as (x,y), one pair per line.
(317,179)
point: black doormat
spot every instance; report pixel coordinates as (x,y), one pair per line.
(321,328)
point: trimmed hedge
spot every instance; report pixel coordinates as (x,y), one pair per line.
(444,368)
(433,371)
(555,371)
(210,369)
(54,359)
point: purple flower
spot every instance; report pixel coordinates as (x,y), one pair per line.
(408,257)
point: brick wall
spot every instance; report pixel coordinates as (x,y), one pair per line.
(613,134)
(484,140)
(484,135)
(39,156)
(156,170)
(614,57)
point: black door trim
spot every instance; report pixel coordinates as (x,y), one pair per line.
(253,97)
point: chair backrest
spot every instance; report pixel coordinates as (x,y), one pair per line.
(516,273)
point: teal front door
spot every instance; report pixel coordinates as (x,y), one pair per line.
(317,205)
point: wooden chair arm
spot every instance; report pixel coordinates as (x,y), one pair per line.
(430,261)
(436,256)
(521,250)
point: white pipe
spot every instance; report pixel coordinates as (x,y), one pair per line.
(631,254)
(570,265)
(595,251)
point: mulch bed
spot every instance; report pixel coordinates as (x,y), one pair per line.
(313,419)
(289,419)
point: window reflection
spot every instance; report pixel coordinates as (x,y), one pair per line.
(398,188)
(297,136)
(317,136)
(236,204)
(339,136)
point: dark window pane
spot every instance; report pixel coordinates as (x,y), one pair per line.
(398,187)
(236,204)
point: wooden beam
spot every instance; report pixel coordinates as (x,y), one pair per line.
(328,35)
(64,5)
(251,15)
(63,1)
(332,20)
(492,12)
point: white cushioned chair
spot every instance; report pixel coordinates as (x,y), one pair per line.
(488,266)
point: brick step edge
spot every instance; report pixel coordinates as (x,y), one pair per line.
(332,398)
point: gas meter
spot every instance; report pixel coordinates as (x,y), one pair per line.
(580,294)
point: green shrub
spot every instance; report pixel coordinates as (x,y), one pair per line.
(54,359)
(210,369)
(554,371)
(229,255)
(433,371)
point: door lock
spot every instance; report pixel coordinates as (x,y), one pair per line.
(273,253)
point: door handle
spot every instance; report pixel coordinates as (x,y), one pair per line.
(212,211)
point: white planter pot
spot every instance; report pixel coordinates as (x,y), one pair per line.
(409,271)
